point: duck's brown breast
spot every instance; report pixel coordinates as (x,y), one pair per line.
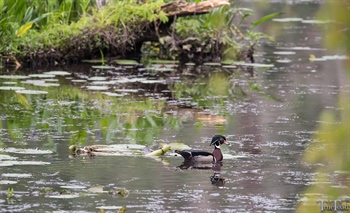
(217,155)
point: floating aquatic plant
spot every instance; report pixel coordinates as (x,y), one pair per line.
(14,76)
(63,73)
(31,92)
(103,67)
(17,175)
(27,151)
(97,88)
(11,88)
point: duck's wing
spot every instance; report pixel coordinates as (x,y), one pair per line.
(196,152)
(189,153)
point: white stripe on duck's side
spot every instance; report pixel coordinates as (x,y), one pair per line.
(204,159)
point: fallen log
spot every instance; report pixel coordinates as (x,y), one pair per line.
(182,8)
(123,40)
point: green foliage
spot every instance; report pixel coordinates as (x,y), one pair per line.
(74,22)
(216,24)
(17,17)
(219,26)
(265,18)
(10,193)
(330,150)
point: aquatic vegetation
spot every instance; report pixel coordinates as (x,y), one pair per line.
(10,193)
(120,150)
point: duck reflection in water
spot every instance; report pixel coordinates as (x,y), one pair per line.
(215,179)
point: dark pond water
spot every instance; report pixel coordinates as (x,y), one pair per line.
(271,123)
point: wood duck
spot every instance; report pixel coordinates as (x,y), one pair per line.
(204,156)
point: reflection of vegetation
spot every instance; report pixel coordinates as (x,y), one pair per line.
(333,141)
(213,90)
(69,110)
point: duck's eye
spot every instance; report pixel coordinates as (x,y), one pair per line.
(221,140)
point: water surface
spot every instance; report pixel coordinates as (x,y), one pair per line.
(272,125)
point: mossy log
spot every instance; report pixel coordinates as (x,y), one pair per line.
(126,41)
(183,8)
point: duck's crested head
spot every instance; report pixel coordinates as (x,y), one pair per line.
(218,140)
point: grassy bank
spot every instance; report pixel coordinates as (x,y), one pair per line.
(62,31)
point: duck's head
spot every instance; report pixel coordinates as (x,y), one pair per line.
(218,140)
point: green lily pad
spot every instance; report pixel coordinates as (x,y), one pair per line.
(17,175)
(228,62)
(229,66)
(73,187)
(190,64)
(109,207)
(6,182)
(97,88)
(7,157)
(253,64)
(284,61)
(57,73)
(316,21)
(31,92)
(212,64)
(41,75)
(126,62)
(96,189)
(103,67)
(44,84)
(33,163)
(335,57)
(6,163)
(103,82)
(32,81)
(78,80)
(14,76)
(97,78)
(92,61)
(122,81)
(127,90)
(284,53)
(9,83)
(51,80)
(161,69)
(112,94)
(164,62)
(26,151)
(11,88)
(153,82)
(63,196)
